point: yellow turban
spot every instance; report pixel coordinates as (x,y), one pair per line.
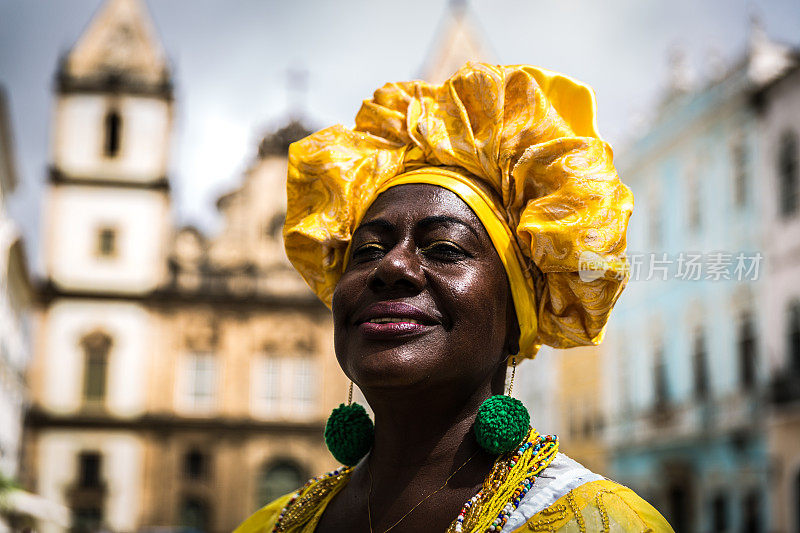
(519,145)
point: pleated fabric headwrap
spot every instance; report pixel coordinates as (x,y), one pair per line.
(519,145)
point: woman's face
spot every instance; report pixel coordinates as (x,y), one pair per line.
(424,299)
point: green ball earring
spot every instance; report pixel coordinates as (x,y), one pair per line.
(349,432)
(502,421)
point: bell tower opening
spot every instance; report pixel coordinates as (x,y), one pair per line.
(113,133)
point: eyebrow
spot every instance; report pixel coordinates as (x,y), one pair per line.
(377,223)
(433,220)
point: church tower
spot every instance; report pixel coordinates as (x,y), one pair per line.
(106,233)
(458,41)
(108,203)
(178,379)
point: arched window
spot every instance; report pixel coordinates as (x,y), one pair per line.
(89,468)
(113,133)
(195,465)
(96,347)
(87,493)
(195,515)
(106,246)
(787,173)
(747,352)
(279,478)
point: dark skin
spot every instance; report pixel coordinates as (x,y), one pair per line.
(421,245)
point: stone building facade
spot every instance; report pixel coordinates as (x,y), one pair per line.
(691,346)
(178,380)
(779,114)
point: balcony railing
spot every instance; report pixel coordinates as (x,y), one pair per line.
(243,282)
(731,414)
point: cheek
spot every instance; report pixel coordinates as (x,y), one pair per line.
(479,297)
(344,297)
(342,308)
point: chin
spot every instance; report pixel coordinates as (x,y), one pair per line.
(380,367)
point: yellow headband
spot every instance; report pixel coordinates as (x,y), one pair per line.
(483,205)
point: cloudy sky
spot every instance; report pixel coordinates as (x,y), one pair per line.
(230,61)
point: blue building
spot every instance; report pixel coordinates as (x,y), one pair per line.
(686,364)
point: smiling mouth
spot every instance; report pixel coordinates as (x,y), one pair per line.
(390,328)
(388,320)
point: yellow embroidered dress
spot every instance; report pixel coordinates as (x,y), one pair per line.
(564,496)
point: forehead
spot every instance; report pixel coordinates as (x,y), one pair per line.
(414,202)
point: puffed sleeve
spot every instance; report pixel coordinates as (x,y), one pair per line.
(599,506)
(264,519)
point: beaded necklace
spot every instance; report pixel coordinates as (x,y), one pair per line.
(300,508)
(511,478)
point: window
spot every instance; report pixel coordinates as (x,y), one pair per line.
(195,514)
(106,242)
(113,133)
(719,513)
(277,479)
(96,347)
(284,385)
(87,493)
(700,364)
(694,201)
(200,381)
(195,465)
(740,160)
(89,464)
(661,386)
(678,507)
(747,352)
(654,226)
(793,338)
(787,173)
(588,426)
(303,385)
(624,381)
(267,384)
(751,510)
(274,226)
(574,423)
(86,519)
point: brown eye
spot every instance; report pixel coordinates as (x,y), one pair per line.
(444,250)
(368,251)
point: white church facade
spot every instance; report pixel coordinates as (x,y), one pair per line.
(177,380)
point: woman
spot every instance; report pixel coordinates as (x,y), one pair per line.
(445,231)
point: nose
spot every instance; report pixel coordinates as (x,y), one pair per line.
(399,270)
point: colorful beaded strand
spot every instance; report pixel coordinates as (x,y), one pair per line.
(490,513)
